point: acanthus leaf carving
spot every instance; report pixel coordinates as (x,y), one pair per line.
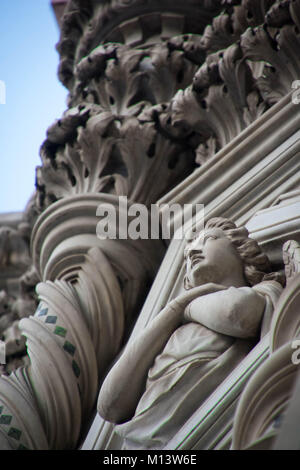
(145,151)
(278,14)
(116,82)
(220,34)
(232,22)
(124,80)
(85,25)
(295,13)
(190,44)
(277,51)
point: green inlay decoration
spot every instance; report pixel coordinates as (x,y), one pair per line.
(76,368)
(70,348)
(59,330)
(43,312)
(15,433)
(51,319)
(22,447)
(5,419)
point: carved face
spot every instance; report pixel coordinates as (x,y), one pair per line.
(211,257)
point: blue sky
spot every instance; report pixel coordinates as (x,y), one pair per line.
(34,96)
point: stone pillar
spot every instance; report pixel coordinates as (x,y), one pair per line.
(155,89)
(107,144)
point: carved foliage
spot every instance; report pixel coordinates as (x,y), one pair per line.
(113,156)
(235,86)
(111,144)
(124,80)
(234,20)
(277,48)
(86,24)
(216,107)
(131,105)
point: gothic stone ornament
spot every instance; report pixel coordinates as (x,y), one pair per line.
(285,323)
(263,403)
(20,424)
(169,95)
(96,290)
(86,24)
(110,140)
(194,342)
(148,95)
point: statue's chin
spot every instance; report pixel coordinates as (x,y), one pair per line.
(202,275)
(198,283)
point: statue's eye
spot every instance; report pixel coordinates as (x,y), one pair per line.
(210,237)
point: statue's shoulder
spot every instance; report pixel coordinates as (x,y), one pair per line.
(269,287)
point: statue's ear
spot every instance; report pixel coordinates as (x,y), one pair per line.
(186,283)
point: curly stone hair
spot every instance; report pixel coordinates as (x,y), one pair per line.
(256,264)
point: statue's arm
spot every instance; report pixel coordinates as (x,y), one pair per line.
(125,383)
(235,311)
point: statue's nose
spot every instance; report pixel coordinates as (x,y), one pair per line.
(195,251)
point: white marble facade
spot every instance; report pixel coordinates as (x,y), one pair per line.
(161,345)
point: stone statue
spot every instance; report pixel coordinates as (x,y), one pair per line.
(184,353)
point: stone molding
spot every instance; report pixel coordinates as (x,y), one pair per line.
(264,402)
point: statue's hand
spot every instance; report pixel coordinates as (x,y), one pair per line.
(182,301)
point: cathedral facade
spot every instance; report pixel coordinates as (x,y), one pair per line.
(114,343)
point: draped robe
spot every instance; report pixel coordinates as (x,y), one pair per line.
(195,360)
